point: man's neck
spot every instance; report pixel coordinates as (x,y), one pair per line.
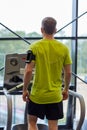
(50,37)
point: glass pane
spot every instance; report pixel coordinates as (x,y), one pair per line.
(82,22)
(13,46)
(82,72)
(26,16)
(82,59)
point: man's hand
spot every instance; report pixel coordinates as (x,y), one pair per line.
(25,95)
(65,94)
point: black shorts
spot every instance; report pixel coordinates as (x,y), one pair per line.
(52,111)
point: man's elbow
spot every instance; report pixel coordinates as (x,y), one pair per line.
(29,72)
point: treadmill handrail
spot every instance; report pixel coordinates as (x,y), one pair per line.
(73,93)
(82,106)
(9,110)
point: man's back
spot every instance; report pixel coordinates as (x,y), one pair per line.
(51,56)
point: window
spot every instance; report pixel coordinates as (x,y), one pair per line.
(24,18)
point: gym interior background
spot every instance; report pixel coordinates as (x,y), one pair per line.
(20,23)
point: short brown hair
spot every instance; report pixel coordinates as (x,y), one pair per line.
(49,25)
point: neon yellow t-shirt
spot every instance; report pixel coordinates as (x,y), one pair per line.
(51,56)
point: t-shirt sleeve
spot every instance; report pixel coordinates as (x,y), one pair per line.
(68,59)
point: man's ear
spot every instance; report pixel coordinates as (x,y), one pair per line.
(55,30)
(42,30)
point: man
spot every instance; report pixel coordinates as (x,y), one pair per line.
(49,58)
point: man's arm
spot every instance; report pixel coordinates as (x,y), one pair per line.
(67,78)
(27,78)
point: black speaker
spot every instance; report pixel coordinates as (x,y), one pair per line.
(14,70)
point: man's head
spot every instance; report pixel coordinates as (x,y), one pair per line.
(49,25)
